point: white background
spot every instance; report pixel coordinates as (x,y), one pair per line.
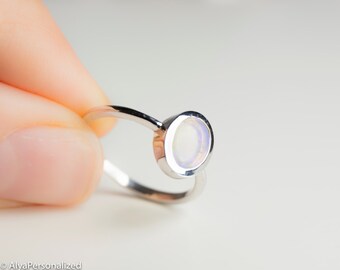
(266,74)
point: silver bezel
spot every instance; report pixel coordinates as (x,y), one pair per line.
(163,146)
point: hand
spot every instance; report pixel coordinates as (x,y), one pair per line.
(48,154)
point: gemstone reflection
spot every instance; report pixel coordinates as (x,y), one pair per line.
(191,143)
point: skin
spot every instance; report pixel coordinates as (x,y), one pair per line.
(48,154)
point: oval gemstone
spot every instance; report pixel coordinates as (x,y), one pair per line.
(191,143)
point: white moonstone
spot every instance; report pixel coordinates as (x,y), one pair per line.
(191,143)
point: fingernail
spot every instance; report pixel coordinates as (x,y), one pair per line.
(49,165)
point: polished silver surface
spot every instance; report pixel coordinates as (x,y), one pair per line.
(125,113)
(164,135)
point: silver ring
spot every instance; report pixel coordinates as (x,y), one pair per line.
(182,146)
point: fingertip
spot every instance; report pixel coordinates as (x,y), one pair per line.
(36,57)
(102,126)
(50,165)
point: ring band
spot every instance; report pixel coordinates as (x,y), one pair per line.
(182,146)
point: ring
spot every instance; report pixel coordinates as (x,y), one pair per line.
(182,147)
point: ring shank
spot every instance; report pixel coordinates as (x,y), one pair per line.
(152,194)
(122,178)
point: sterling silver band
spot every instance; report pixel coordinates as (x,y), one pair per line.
(160,148)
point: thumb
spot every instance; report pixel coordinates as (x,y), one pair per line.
(47,153)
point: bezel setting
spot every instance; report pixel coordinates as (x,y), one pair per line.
(163,146)
(181,151)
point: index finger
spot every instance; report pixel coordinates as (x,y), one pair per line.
(35,57)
